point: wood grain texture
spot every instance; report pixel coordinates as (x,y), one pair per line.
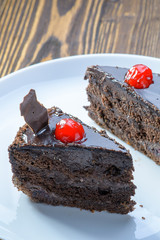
(33,31)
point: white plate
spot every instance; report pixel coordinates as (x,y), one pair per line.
(60,83)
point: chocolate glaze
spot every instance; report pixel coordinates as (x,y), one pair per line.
(150,95)
(92,137)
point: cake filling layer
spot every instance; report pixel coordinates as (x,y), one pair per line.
(60,179)
(40,194)
(96,163)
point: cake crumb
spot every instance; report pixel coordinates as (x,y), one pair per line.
(81,180)
(143,218)
(141,205)
(137,160)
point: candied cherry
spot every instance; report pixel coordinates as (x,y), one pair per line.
(68,130)
(139,76)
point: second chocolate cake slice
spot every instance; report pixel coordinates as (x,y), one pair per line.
(131,114)
(94,173)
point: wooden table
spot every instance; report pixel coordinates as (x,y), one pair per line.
(33,31)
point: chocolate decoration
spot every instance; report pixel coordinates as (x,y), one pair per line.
(35,114)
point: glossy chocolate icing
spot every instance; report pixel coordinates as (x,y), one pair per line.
(92,137)
(150,95)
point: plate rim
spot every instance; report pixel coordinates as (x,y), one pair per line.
(61,59)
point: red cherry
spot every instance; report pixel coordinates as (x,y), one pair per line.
(139,76)
(68,130)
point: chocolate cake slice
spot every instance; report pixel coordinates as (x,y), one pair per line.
(131,114)
(94,173)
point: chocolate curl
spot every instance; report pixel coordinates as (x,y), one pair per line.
(35,114)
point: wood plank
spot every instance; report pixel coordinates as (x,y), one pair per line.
(33,31)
